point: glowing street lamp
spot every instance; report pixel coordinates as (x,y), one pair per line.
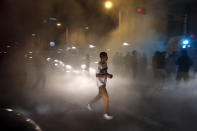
(68,67)
(91,46)
(59,24)
(108,4)
(83,66)
(86,27)
(125,44)
(73,48)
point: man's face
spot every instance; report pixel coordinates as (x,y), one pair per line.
(104,58)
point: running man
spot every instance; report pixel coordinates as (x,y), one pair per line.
(102,76)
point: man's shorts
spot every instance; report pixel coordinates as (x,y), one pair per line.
(101,81)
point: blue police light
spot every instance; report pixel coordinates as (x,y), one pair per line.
(184,46)
(185,42)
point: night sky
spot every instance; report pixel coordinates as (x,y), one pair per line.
(21,18)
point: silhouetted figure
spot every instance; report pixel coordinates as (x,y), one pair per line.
(115,61)
(87,62)
(127,63)
(161,68)
(39,65)
(171,64)
(143,63)
(119,62)
(154,62)
(160,71)
(134,63)
(184,63)
(195,62)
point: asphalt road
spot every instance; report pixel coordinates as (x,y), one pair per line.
(137,105)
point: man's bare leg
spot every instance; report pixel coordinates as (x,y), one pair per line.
(105,97)
(94,101)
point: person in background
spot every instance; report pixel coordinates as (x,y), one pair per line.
(171,64)
(160,71)
(39,64)
(161,65)
(87,62)
(143,63)
(127,64)
(184,64)
(115,61)
(154,62)
(134,63)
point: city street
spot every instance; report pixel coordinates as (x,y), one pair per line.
(61,105)
(98,65)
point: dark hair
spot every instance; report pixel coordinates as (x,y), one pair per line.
(103,54)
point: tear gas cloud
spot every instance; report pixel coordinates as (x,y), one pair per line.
(145,33)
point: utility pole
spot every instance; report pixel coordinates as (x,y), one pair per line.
(186,20)
(185,23)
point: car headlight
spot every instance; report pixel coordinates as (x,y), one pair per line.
(68,67)
(83,66)
(55,60)
(61,63)
(48,59)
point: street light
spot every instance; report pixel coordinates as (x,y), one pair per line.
(125,44)
(73,48)
(91,46)
(86,27)
(59,24)
(108,4)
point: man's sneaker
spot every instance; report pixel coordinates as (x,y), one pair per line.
(90,107)
(107,117)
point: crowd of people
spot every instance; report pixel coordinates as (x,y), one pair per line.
(131,64)
(166,65)
(162,65)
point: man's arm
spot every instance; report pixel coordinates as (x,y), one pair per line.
(104,76)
